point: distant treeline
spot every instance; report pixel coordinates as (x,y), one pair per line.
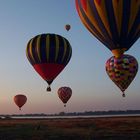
(110,112)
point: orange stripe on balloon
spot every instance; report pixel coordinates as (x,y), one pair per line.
(118,8)
(92,19)
(103,14)
(90,16)
(133,13)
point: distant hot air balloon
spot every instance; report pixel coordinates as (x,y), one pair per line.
(20,100)
(64,93)
(122,70)
(48,54)
(116,23)
(67,27)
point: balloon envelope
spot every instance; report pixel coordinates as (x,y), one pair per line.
(48,54)
(122,70)
(114,22)
(20,100)
(64,93)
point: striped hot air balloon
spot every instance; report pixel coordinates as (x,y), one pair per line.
(116,23)
(64,93)
(48,54)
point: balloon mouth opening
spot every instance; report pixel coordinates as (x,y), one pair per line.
(20,108)
(118,52)
(64,105)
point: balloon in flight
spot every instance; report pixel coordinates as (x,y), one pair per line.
(67,27)
(20,100)
(48,54)
(122,70)
(116,23)
(64,93)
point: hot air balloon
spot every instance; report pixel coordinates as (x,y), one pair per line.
(116,23)
(67,27)
(48,54)
(20,100)
(122,70)
(64,93)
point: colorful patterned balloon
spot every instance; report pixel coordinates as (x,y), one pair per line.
(122,70)
(64,93)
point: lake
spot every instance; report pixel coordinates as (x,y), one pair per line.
(82,116)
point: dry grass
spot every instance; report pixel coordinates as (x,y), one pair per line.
(115,128)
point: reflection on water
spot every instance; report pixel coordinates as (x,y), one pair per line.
(82,116)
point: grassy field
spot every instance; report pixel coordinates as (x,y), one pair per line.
(112,128)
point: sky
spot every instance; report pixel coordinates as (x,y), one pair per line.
(92,89)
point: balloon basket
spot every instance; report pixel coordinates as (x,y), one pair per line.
(123,95)
(48,89)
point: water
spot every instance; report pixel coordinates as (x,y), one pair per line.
(57,117)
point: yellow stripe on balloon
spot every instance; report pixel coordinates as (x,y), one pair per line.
(47,47)
(65,49)
(83,20)
(118,9)
(102,13)
(38,48)
(27,51)
(30,50)
(90,29)
(70,52)
(92,19)
(135,5)
(56,48)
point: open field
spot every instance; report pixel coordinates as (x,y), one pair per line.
(110,128)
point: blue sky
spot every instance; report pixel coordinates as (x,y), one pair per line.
(85,73)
